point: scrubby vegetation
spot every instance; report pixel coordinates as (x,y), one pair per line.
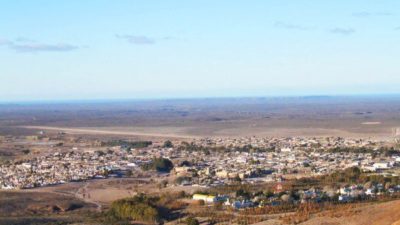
(351,175)
(144,208)
(355,175)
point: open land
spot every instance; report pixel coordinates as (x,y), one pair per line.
(297,116)
(64,159)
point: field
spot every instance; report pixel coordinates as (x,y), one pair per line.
(182,119)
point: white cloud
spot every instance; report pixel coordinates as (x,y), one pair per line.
(343,31)
(22,44)
(138,39)
(291,26)
(36,47)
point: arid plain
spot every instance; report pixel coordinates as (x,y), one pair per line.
(376,116)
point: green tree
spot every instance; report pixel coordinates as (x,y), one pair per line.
(26,151)
(160,165)
(168,144)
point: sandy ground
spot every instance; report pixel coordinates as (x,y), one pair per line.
(375,214)
(104,191)
(222,131)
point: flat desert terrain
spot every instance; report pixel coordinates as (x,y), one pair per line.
(377,116)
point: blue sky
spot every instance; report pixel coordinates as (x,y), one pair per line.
(96,49)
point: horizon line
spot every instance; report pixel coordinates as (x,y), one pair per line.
(110,100)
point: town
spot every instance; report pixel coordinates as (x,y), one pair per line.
(207,163)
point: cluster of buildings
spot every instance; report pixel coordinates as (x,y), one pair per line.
(255,160)
(75,165)
(291,142)
(249,160)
